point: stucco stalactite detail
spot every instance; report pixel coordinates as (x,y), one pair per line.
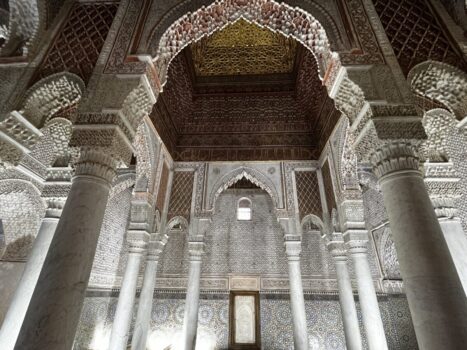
(442,83)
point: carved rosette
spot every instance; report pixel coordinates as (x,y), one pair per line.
(395,157)
(96,163)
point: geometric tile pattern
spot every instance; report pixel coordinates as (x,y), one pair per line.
(309,201)
(79,42)
(180,197)
(415,33)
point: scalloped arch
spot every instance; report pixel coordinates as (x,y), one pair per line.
(278,17)
(253,175)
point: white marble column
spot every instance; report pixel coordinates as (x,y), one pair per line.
(434,291)
(357,242)
(54,311)
(23,293)
(143,315)
(190,321)
(353,338)
(454,234)
(126,299)
(293,247)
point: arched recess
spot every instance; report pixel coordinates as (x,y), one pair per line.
(442,83)
(278,17)
(177,223)
(21,212)
(51,96)
(253,175)
(315,221)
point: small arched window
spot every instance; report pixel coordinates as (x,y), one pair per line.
(244,209)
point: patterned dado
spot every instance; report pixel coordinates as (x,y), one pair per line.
(325,329)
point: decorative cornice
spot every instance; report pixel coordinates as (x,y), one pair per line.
(394,157)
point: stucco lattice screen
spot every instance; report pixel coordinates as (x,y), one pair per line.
(180,197)
(77,47)
(308,193)
(328,189)
(415,34)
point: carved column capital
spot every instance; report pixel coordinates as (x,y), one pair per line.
(445,207)
(356,241)
(54,207)
(293,247)
(137,241)
(395,157)
(195,248)
(95,162)
(155,248)
(338,250)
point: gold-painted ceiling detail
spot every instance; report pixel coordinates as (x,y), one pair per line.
(243,48)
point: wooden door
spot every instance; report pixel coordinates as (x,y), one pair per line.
(244,321)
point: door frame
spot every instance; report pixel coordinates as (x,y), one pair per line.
(232,344)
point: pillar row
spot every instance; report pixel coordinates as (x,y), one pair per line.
(143,317)
(357,246)
(137,241)
(353,338)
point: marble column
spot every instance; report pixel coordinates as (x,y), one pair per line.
(190,321)
(357,242)
(54,311)
(434,291)
(126,299)
(143,316)
(23,293)
(293,247)
(353,338)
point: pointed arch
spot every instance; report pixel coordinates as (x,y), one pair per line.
(253,175)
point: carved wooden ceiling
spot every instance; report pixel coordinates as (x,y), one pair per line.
(243,48)
(231,98)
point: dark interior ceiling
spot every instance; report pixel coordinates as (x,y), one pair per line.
(244,93)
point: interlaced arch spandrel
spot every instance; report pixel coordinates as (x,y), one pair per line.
(254,176)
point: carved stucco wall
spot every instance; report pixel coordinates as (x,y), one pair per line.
(111,252)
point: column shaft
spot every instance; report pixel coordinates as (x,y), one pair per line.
(190,322)
(126,300)
(297,302)
(353,338)
(457,244)
(55,307)
(368,302)
(143,316)
(434,291)
(17,310)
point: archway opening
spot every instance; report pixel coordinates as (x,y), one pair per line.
(244,93)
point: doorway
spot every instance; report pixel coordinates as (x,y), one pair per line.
(244,321)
